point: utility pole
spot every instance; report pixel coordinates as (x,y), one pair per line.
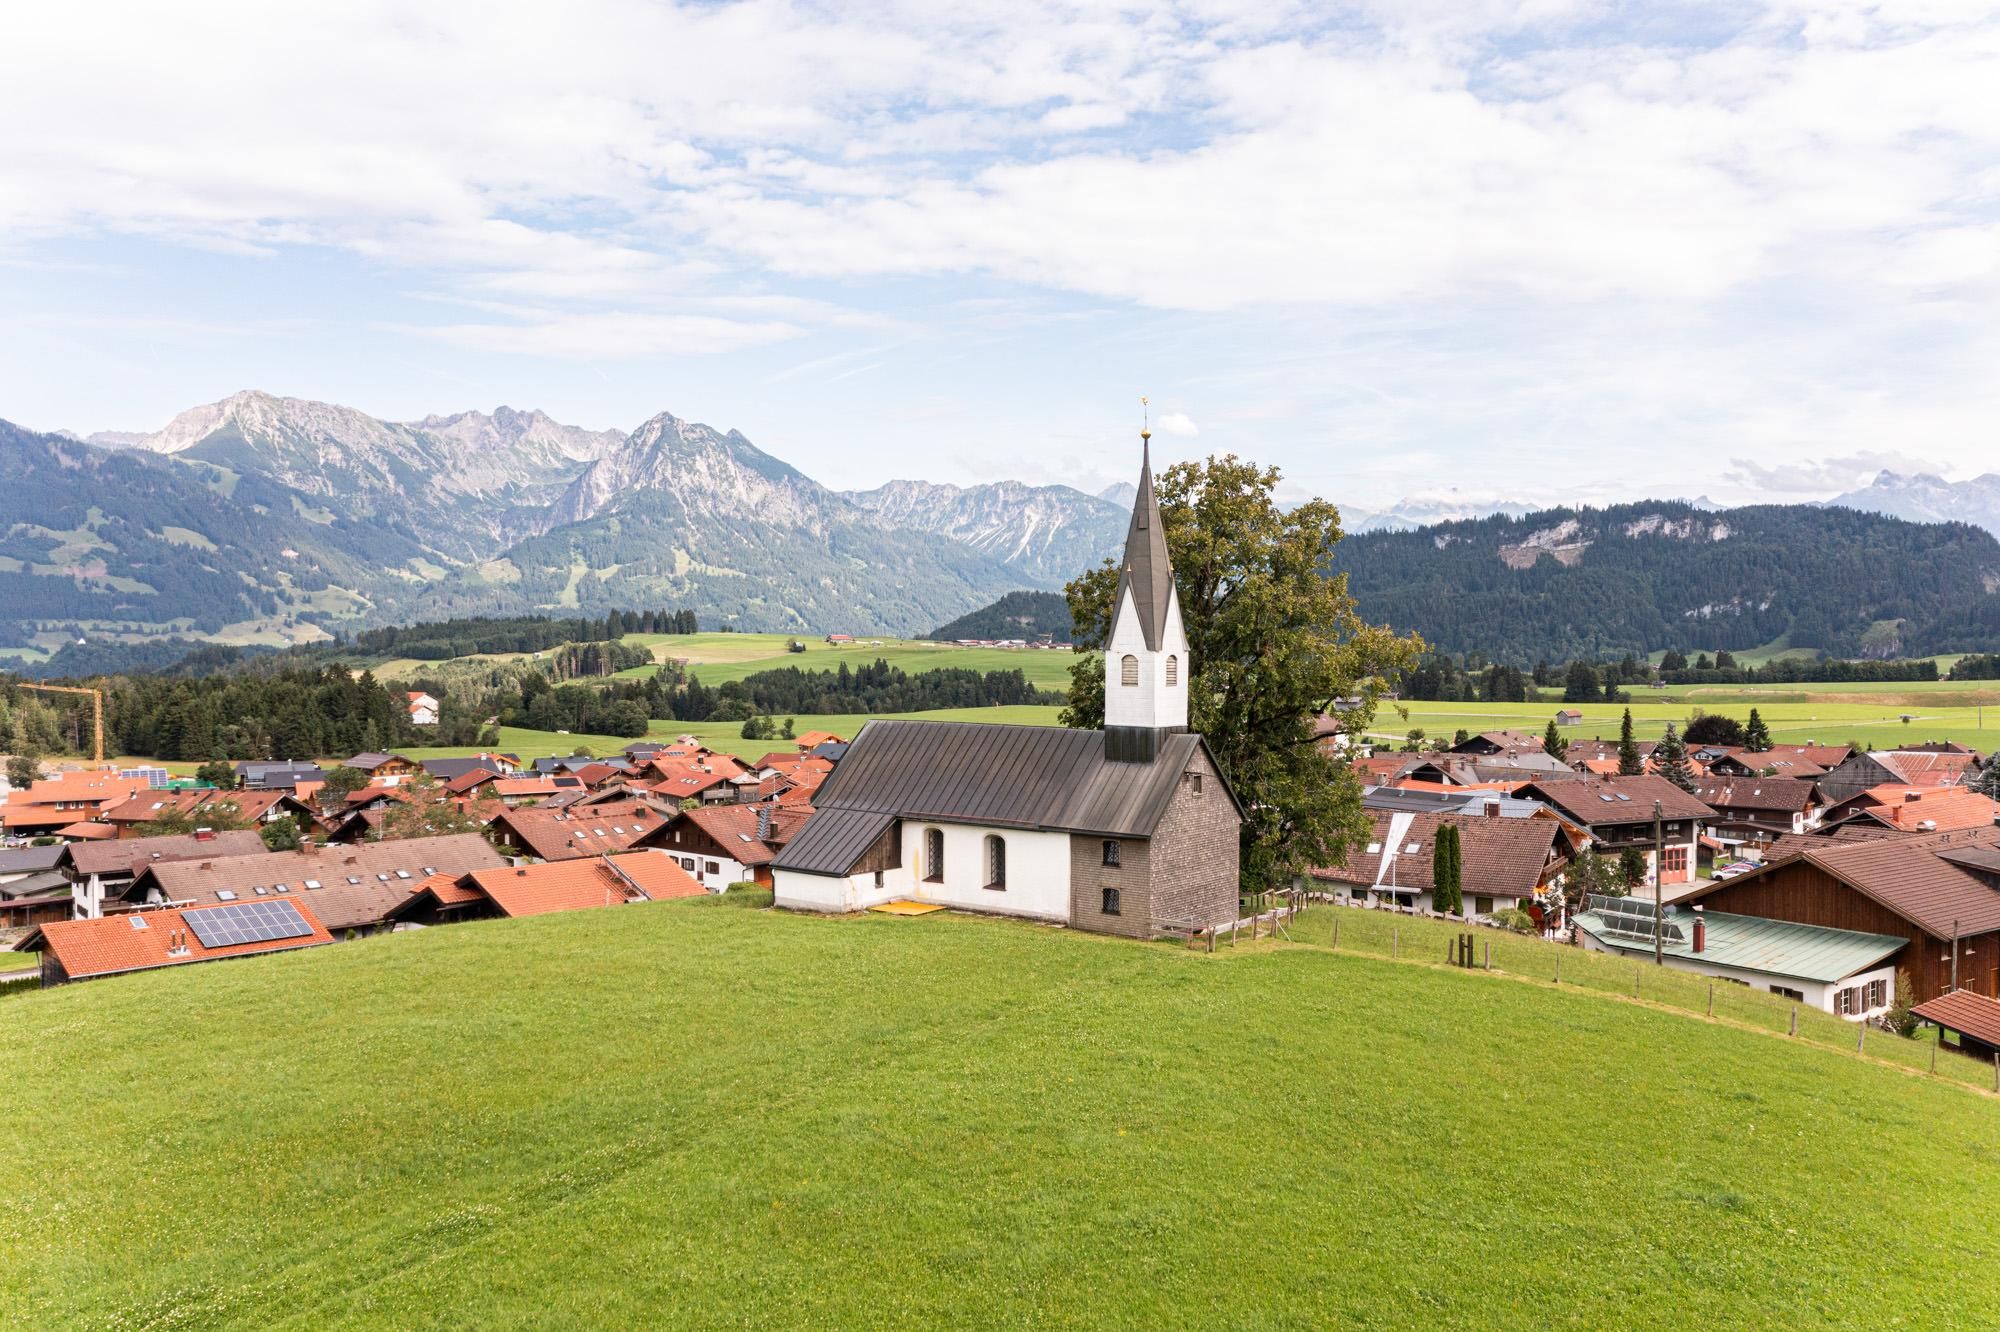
(1954,953)
(1659,890)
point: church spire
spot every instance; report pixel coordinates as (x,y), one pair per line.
(1146,650)
(1147,572)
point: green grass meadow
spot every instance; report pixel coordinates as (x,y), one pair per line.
(687,1115)
(720,658)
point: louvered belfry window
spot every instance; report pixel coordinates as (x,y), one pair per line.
(1128,670)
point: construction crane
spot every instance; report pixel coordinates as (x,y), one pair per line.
(96,708)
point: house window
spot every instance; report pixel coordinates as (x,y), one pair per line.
(1482,906)
(996,862)
(711,867)
(1128,670)
(933,855)
(1796,996)
(1173,670)
(1111,903)
(1114,854)
(1878,994)
(1674,860)
(1194,782)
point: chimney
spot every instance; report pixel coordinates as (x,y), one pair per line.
(1700,930)
(1492,807)
(1912,797)
(204,834)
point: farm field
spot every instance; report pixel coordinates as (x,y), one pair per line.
(1942,715)
(640,1123)
(720,658)
(725,737)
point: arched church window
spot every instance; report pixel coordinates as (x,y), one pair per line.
(996,862)
(1128,670)
(934,855)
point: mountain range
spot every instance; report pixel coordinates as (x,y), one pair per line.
(1924,498)
(263,518)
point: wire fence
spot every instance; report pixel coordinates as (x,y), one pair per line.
(1423,939)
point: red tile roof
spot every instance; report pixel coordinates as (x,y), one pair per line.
(448,891)
(535,890)
(1909,808)
(1963,1011)
(87,832)
(572,834)
(144,940)
(132,854)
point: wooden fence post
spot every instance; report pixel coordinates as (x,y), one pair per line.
(1395,939)
(1559,968)
(1711,998)
(1795,1020)
(1934,1046)
(1489,955)
(1861,1040)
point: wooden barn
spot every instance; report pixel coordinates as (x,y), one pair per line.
(1940,892)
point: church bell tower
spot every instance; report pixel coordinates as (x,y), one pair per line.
(1145,654)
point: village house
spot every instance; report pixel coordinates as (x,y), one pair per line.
(1895,767)
(75,950)
(350,888)
(1915,809)
(1128,830)
(1846,972)
(34,884)
(577,832)
(423,709)
(1756,811)
(105,871)
(53,804)
(1505,862)
(277,774)
(1618,811)
(382,769)
(724,844)
(447,770)
(534,890)
(1939,892)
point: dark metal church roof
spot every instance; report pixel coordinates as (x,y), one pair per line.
(1046,778)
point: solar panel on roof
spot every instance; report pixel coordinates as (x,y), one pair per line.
(247,922)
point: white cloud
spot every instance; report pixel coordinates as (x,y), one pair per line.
(1178,423)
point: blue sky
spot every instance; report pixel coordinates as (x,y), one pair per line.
(1550,250)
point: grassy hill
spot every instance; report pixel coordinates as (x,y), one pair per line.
(694,1115)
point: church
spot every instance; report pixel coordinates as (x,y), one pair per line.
(1129,830)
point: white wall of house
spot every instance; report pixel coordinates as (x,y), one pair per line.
(726,871)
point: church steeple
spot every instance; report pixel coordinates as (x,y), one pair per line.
(1145,658)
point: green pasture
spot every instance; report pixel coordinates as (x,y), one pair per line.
(720,658)
(696,1115)
(1874,725)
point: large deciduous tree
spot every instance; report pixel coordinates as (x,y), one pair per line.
(1273,643)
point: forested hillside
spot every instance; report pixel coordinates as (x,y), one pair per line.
(1026,615)
(1599,583)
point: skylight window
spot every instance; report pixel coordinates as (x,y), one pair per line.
(402,874)
(312,883)
(224,895)
(139,923)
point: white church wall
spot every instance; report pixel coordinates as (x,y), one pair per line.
(1037,870)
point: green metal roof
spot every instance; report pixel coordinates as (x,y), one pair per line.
(1752,943)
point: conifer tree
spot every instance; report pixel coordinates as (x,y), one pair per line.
(1756,735)
(1631,869)
(1670,760)
(1447,872)
(1987,779)
(1629,763)
(1553,744)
